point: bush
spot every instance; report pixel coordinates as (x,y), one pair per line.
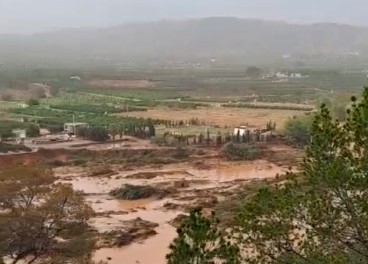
(33,130)
(298,129)
(94,133)
(136,192)
(4,148)
(244,151)
(33,102)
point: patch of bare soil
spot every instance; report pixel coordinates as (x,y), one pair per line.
(134,230)
(120,84)
(222,116)
(190,182)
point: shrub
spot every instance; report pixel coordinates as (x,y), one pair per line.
(94,133)
(244,151)
(298,129)
(136,192)
(4,148)
(33,102)
(33,130)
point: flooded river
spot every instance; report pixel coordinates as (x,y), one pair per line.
(154,249)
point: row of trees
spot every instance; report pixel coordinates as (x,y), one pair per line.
(217,140)
(264,106)
(319,215)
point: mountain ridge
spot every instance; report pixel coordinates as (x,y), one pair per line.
(223,38)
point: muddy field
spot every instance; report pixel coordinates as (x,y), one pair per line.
(202,185)
(120,84)
(222,116)
(140,231)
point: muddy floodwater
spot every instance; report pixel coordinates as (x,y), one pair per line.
(112,213)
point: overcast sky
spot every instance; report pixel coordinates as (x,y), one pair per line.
(29,16)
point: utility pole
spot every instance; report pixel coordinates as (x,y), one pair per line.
(35,114)
(74,130)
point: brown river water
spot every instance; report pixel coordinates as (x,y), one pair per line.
(154,249)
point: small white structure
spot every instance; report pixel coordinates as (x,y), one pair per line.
(242,130)
(281,75)
(75,78)
(72,128)
(20,135)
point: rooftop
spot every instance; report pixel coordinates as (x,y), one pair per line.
(75,124)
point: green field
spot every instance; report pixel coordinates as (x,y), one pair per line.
(174,92)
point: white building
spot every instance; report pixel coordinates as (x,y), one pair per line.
(242,130)
(281,75)
(72,128)
(20,135)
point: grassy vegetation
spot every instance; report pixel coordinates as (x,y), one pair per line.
(195,87)
(6,127)
(97,109)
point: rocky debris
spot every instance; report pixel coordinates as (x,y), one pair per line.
(172,206)
(143,175)
(101,171)
(181,184)
(200,165)
(207,202)
(109,213)
(134,230)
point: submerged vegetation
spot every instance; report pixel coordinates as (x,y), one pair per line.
(136,192)
(242,151)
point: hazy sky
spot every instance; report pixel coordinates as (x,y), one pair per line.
(28,16)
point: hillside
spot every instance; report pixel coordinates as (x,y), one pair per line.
(226,39)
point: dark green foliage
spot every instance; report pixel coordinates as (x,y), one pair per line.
(242,151)
(4,148)
(319,216)
(7,126)
(298,130)
(200,241)
(125,125)
(253,72)
(33,102)
(136,192)
(97,109)
(260,106)
(54,128)
(271,126)
(94,133)
(33,130)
